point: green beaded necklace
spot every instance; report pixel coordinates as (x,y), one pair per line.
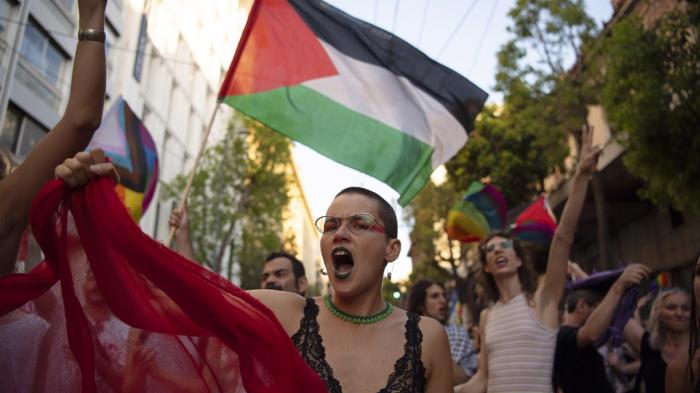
(356,319)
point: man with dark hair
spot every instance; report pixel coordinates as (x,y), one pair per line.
(578,367)
(427,297)
(580,304)
(283,272)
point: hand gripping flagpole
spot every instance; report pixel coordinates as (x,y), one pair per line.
(186,192)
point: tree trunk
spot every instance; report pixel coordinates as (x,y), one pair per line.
(231,260)
(222,246)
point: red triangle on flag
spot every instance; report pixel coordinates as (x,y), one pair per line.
(276,49)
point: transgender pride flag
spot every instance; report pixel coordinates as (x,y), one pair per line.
(127,142)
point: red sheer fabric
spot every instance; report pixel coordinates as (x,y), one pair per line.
(111,310)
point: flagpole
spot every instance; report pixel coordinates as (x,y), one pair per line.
(186,192)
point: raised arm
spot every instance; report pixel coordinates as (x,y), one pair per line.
(183,243)
(600,319)
(550,292)
(70,135)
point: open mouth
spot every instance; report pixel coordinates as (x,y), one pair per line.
(343,262)
(501,262)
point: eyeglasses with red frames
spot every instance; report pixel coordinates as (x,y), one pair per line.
(357,224)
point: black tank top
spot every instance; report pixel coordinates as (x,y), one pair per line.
(652,371)
(409,372)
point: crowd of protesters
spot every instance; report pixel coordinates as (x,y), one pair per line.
(531,334)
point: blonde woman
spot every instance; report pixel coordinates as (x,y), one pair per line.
(682,373)
(667,337)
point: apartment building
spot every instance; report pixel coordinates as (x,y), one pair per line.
(166,58)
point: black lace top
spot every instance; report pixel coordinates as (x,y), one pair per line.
(409,372)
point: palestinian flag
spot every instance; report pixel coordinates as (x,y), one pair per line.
(351,91)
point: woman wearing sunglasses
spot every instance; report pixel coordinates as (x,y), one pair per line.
(520,327)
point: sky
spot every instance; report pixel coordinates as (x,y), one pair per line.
(464,35)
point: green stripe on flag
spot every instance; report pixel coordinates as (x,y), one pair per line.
(350,138)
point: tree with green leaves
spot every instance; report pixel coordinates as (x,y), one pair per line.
(543,101)
(237,199)
(428,214)
(651,93)
(517,145)
(515,159)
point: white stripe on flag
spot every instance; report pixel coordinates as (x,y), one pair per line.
(376,92)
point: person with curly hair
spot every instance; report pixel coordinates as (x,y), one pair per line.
(427,298)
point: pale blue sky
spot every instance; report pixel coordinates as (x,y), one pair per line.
(427,25)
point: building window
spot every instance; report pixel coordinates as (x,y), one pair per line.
(10,128)
(111,38)
(67,5)
(42,54)
(141,46)
(30,134)
(5,8)
(20,133)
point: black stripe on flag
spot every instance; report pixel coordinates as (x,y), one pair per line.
(368,43)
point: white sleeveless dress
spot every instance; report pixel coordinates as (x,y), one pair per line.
(520,351)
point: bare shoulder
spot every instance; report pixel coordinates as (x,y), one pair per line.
(288,307)
(433,331)
(436,354)
(431,328)
(434,339)
(484,314)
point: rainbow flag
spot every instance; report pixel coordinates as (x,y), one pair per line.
(660,282)
(127,142)
(536,224)
(481,211)
(663,280)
